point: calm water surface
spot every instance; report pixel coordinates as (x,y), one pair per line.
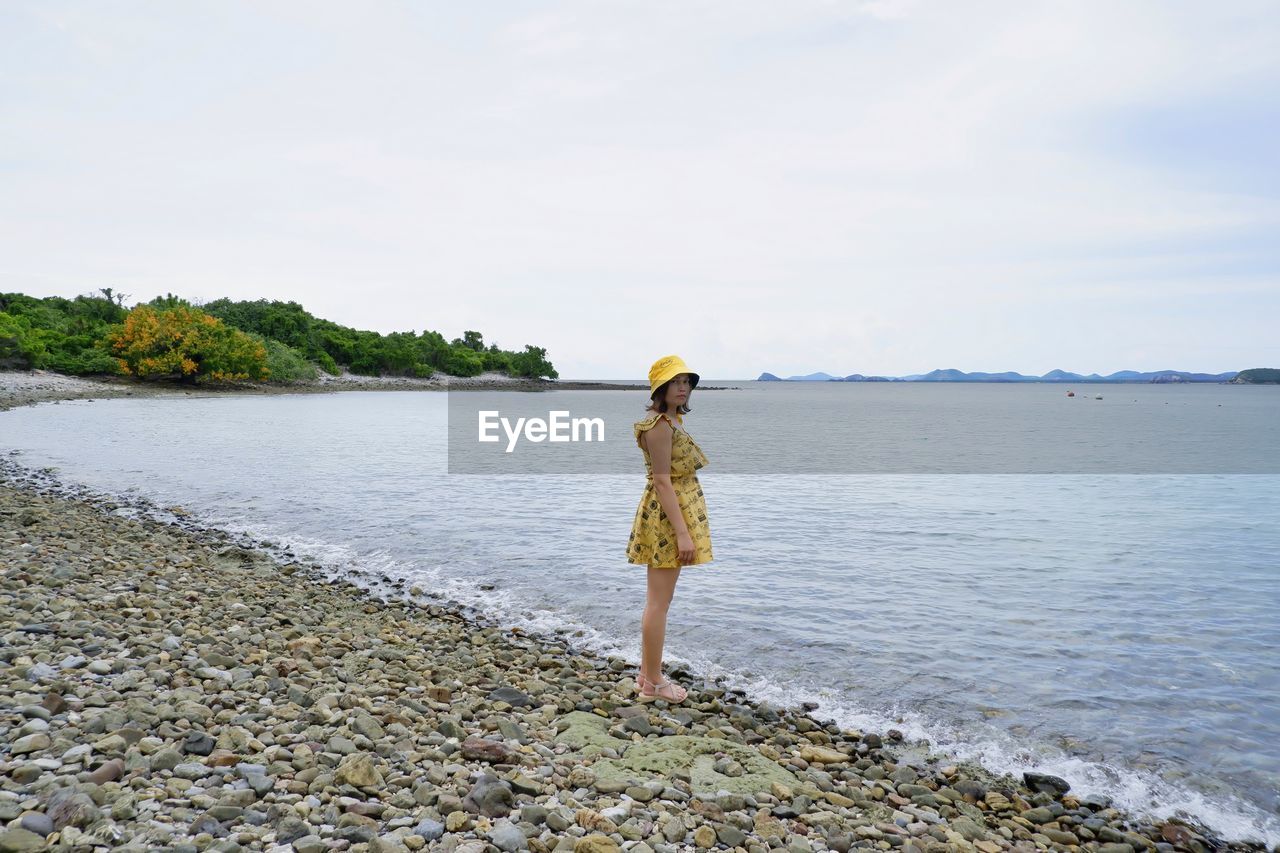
(1120,631)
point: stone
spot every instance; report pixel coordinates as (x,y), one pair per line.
(476,748)
(595,844)
(358,770)
(19,840)
(68,807)
(369,727)
(109,771)
(822,755)
(166,759)
(489,797)
(31,743)
(198,743)
(310,844)
(430,830)
(968,829)
(1044,783)
(511,696)
(36,822)
(508,838)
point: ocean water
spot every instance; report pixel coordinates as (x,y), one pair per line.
(1119,630)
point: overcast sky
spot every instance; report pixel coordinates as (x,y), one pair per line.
(857,187)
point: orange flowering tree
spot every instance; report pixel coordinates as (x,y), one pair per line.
(185,343)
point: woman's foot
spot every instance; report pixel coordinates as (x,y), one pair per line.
(665,689)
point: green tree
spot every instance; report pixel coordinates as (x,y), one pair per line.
(470,340)
(532,363)
(463,362)
(19,350)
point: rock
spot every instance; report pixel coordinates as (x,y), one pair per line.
(369,727)
(1176,833)
(342,745)
(730,835)
(511,696)
(508,838)
(1043,782)
(68,807)
(489,797)
(191,770)
(31,743)
(290,829)
(969,829)
(310,844)
(166,759)
(595,843)
(358,770)
(481,749)
(1095,802)
(431,830)
(36,822)
(1038,815)
(823,755)
(198,743)
(19,840)
(108,772)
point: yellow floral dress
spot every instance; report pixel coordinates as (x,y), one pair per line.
(653,538)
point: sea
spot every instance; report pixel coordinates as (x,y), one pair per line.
(1083,584)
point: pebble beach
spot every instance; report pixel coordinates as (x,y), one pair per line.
(167,686)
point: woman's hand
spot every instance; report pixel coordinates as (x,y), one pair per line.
(685,551)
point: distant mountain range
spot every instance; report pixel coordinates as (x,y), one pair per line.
(1156,376)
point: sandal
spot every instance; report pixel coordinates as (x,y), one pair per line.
(665,689)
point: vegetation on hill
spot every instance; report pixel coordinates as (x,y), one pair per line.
(1258,376)
(170,337)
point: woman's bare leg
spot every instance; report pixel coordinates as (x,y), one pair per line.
(653,625)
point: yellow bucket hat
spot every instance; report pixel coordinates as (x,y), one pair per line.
(666,368)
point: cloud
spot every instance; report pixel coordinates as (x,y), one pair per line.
(853,187)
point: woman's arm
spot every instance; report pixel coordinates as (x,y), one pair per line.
(658,442)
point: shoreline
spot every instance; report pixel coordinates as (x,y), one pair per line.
(28,387)
(198,688)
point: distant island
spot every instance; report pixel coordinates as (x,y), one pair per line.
(1253,376)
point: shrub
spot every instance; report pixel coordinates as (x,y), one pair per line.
(463,362)
(285,364)
(185,343)
(19,349)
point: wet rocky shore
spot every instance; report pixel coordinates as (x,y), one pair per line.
(164,686)
(25,387)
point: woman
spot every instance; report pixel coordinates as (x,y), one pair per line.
(670,528)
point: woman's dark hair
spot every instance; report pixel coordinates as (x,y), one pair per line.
(658,399)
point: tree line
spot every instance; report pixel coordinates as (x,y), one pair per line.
(230,341)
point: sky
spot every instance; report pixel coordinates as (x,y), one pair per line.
(873,186)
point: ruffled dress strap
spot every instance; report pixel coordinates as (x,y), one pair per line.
(650,422)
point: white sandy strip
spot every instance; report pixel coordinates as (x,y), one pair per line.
(16,381)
